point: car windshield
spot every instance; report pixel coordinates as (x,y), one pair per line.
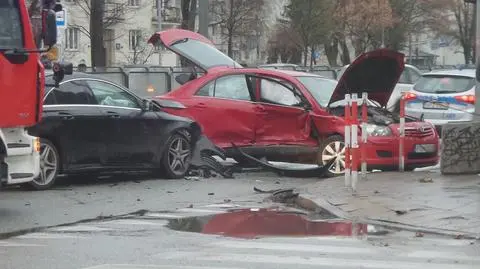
(204,54)
(321,88)
(11,34)
(444,84)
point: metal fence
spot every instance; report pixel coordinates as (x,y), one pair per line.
(143,80)
(157,80)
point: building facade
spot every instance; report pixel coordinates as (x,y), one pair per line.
(129,23)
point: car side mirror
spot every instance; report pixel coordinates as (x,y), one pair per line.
(147,105)
(50,29)
(307,106)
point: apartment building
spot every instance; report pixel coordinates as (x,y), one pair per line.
(129,23)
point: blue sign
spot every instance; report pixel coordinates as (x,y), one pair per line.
(61,18)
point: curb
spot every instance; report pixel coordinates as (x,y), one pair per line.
(390,224)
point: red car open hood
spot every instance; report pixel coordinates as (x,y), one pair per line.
(375,72)
(194,47)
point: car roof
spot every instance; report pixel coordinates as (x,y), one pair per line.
(277,65)
(76,75)
(299,73)
(453,72)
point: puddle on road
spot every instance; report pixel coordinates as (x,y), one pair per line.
(251,223)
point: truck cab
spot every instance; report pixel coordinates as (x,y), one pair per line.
(21,89)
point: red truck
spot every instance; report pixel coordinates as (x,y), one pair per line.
(22,82)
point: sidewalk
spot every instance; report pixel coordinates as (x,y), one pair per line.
(420,199)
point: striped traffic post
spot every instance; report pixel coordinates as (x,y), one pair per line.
(354,142)
(348,181)
(363,145)
(401,144)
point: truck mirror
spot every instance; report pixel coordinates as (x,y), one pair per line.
(50,31)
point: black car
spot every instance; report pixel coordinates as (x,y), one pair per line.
(90,124)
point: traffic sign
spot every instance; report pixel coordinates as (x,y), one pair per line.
(61,18)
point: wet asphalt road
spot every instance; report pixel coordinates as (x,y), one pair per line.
(141,243)
(78,199)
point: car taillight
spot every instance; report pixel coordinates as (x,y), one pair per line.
(409,96)
(466,98)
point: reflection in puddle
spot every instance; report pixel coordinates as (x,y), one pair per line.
(250,223)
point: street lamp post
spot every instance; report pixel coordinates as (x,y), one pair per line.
(159,27)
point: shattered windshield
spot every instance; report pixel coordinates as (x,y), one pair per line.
(11,34)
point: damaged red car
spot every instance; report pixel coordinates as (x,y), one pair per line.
(292,116)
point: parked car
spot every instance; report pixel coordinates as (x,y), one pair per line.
(409,76)
(443,96)
(90,125)
(282,115)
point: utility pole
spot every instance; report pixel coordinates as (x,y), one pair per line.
(203,17)
(159,27)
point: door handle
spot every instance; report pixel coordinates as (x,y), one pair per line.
(201,105)
(112,114)
(66,116)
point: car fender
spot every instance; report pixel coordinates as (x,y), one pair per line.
(328,125)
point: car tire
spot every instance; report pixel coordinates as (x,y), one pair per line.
(329,148)
(176,157)
(49,166)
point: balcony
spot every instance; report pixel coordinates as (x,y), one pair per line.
(170,15)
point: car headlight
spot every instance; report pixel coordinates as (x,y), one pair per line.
(375,130)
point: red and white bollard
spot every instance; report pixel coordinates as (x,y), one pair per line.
(348,181)
(363,145)
(401,144)
(354,141)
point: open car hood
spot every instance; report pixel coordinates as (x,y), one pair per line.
(194,47)
(375,72)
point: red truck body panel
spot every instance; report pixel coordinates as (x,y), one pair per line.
(21,84)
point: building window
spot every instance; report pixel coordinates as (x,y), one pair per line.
(134,3)
(72,37)
(135,38)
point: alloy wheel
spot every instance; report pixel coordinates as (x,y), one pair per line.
(335,149)
(48,165)
(178,155)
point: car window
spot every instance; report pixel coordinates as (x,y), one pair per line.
(232,87)
(276,93)
(404,77)
(414,75)
(207,90)
(444,84)
(110,95)
(74,92)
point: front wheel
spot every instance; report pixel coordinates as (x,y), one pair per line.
(333,147)
(49,166)
(177,156)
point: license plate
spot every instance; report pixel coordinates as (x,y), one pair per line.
(435,105)
(425,148)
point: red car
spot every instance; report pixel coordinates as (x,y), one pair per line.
(282,115)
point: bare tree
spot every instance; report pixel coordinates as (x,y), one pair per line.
(458,23)
(140,51)
(236,18)
(103,14)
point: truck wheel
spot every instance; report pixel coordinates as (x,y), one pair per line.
(332,147)
(49,166)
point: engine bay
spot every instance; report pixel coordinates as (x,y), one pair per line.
(376,115)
